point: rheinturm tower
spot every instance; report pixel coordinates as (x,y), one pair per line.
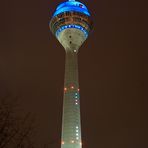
(71,24)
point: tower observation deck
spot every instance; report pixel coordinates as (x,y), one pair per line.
(71,24)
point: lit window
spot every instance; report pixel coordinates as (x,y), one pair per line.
(77,134)
(77,131)
(72,141)
(65,89)
(72,87)
(76,103)
(77,138)
(77,127)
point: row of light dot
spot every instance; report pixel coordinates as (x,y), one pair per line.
(76,103)
(76,98)
(77,135)
(72,87)
(76,94)
(72,26)
(72,142)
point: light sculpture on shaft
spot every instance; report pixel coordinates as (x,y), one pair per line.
(71,24)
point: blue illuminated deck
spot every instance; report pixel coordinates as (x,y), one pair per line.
(72,26)
(71,6)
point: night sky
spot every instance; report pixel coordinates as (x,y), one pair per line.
(113,71)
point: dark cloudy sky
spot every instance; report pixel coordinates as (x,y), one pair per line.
(113,71)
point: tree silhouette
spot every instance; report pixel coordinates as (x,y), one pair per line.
(15,132)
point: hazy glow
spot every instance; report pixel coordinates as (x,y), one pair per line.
(65,89)
(63,142)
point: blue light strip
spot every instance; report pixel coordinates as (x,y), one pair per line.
(72,26)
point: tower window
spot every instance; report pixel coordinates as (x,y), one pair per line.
(80,5)
(68,13)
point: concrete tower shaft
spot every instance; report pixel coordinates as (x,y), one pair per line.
(71,124)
